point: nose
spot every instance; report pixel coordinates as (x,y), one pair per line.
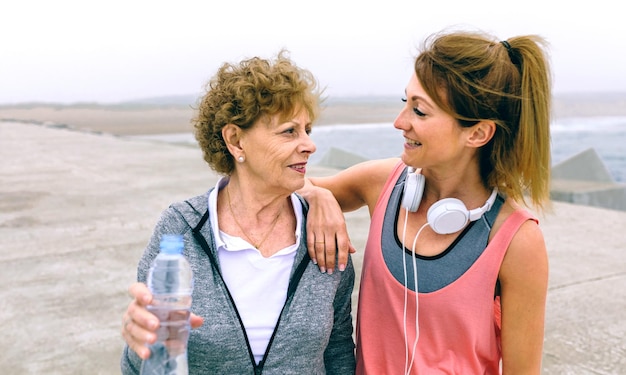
(401,122)
(307,144)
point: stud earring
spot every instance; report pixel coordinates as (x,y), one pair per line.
(241,159)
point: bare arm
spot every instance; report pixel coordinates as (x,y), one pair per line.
(328,197)
(524,281)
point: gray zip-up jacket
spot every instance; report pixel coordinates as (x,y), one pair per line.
(314,331)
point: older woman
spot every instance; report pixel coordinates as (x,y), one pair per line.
(260,304)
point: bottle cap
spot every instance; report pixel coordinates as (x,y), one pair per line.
(172,244)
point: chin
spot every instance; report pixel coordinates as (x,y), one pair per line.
(298,185)
(293,184)
(405,159)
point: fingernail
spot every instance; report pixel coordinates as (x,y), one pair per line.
(314,261)
(330,271)
(322,269)
(342,267)
(153,324)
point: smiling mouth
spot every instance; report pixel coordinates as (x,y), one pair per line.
(411,142)
(299,167)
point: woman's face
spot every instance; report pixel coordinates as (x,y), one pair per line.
(432,137)
(276,152)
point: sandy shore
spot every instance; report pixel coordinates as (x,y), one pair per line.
(77,207)
(152,119)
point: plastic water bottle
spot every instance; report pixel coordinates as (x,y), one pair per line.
(170,280)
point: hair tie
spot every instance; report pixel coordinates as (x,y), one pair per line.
(512,54)
(506,45)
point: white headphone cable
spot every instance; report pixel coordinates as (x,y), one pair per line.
(406,343)
(407,367)
(417,327)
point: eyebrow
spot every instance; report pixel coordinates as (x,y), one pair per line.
(420,99)
(415,97)
(310,123)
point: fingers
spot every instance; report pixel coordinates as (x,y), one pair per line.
(344,248)
(330,252)
(316,246)
(138,324)
(141,293)
(128,329)
(195,320)
(325,254)
(327,235)
(136,335)
(310,246)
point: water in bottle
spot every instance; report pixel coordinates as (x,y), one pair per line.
(171,282)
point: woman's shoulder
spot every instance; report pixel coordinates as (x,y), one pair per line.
(198,203)
(509,210)
(527,243)
(378,167)
(381,172)
(526,259)
(370,177)
(186,212)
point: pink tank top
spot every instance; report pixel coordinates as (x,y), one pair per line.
(459,325)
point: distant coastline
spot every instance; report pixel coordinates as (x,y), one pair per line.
(589,104)
(173,114)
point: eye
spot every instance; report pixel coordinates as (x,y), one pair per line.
(415,109)
(418,112)
(289,131)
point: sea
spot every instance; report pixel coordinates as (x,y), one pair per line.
(569,136)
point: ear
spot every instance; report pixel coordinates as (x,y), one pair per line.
(481,133)
(232,137)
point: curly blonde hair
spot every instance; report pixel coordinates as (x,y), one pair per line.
(475,77)
(245,92)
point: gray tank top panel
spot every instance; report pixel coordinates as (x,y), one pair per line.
(437,271)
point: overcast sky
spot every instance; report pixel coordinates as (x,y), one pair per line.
(109,51)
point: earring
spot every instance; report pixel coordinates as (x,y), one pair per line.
(241,159)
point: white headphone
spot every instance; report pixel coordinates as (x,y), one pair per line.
(448,215)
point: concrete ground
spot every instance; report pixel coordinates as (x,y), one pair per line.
(76,210)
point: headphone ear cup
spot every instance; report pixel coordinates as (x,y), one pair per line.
(448,215)
(413,190)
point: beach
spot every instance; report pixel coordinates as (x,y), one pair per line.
(146,119)
(79,199)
